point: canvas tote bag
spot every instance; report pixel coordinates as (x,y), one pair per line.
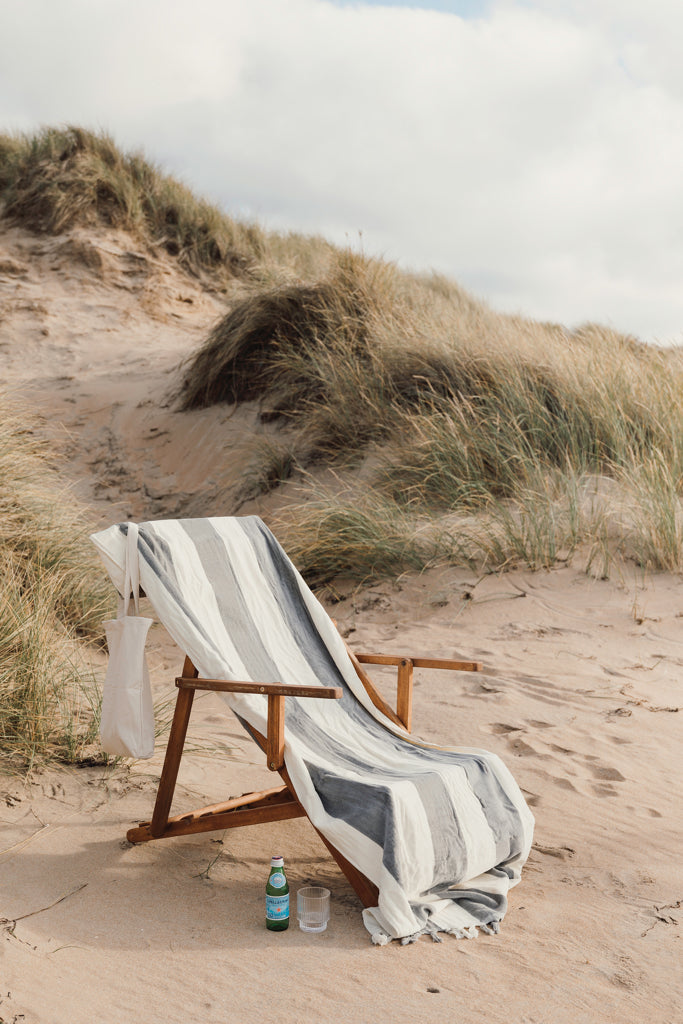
(127,722)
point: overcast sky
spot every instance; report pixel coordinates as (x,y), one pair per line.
(530,149)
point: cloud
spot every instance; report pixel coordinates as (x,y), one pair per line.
(533,153)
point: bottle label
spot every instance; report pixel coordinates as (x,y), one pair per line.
(277,908)
(277,880)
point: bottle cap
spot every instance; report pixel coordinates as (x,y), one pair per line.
(276,861)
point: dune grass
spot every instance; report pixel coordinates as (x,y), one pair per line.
(58,178)
(462,411)
(366,538)
(53,600)
(652,516)
(450,409)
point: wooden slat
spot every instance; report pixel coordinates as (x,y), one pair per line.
(278,689)
(275,750)
(404,695)
(278,794)
(185,825)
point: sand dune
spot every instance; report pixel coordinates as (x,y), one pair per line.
(580,695)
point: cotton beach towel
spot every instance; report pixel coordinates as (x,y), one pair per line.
(442,832)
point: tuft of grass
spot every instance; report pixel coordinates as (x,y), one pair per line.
(58,178)
(653,516)
(279,345)
(49,699)
(544,525)
(364,539)
(368,354)
(44,530)
(369,536)
(53,599)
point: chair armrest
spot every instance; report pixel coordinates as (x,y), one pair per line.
(381,659)
(276,693)
(448,663)
(443,663)
(405,666)
(274,689)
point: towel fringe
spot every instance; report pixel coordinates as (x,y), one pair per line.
(435,933)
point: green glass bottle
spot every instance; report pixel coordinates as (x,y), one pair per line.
(277,896)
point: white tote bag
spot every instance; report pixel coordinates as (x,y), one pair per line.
(127,722)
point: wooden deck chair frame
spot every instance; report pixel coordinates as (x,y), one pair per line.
(279,803)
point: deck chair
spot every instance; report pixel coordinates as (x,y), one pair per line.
(431,839)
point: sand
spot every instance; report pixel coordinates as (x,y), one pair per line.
(580,694)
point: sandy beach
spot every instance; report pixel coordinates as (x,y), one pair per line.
(580,695)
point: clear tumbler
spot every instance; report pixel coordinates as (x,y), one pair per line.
(313,908)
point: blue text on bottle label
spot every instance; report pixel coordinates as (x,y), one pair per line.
(277,907)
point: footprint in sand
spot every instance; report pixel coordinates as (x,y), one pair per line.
(562,750)
(55,790)
(607,774)
(561,852)
(572,762)
(481,688)
(563,783)
(604,789)
(522,749)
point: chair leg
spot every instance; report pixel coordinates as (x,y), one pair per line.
(174,751)
(366,891)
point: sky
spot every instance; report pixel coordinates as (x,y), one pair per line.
(530,149)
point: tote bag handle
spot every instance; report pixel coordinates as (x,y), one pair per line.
(131,582)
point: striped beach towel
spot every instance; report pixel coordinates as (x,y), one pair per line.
(442,832)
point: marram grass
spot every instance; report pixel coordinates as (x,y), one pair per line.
(462,411)
(364,537)
(53,598)
(59,178)
(49,699)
